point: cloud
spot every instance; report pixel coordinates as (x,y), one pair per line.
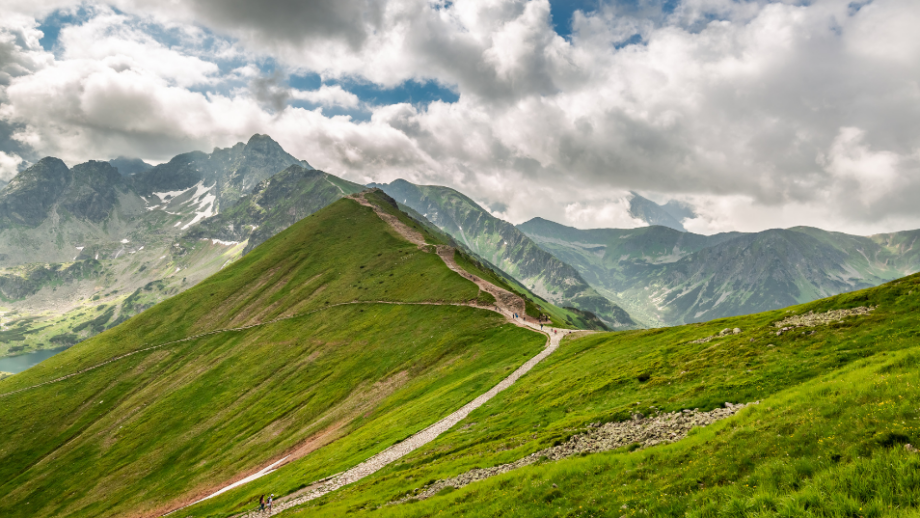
(327,96)
(271,90)
(9,165)
(606,214)
(758,113)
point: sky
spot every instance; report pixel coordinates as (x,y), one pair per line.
(759,114)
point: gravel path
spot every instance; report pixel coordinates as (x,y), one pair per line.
(397,451)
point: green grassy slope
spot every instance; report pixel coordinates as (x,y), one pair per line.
(827,439)
(164,426)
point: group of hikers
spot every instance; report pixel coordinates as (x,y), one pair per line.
(540,319)
(263,503)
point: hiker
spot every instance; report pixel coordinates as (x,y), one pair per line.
(270,498)
(261,503)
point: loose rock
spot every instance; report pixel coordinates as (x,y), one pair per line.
(644,432)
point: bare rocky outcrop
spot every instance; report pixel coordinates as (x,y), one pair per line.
(639,431)
(812,319)
(725,332)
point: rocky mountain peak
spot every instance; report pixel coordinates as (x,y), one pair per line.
(263,145)
(29,197)
(128,166)
(94,191)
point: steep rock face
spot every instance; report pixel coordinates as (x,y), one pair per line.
(30,196)
(500,243)
(181,172)
(652,213)
(275,204)
(230,172)
(668,277)
(94,192)
(129,166)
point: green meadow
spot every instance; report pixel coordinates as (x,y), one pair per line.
(838,404)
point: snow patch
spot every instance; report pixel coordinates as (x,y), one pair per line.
(204,202)
(221,242)
(171,194)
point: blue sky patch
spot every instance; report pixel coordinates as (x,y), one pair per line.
(53,23)
(411,91)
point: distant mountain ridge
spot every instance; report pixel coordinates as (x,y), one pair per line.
(500,243)
(275,204)
(668,277)
(92,237)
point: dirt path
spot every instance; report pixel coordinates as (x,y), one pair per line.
(398,451)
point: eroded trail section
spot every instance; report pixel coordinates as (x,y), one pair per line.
(505,301)
(644,432)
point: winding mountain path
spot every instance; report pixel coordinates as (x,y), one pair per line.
(506,304)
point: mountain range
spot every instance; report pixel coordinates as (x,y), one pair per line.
(86,248)
(666,277)
(82,249)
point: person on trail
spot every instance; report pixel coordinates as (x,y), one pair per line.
(261,503)
(270,499)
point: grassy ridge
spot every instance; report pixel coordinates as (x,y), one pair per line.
(342,255)
(826,440)
(176,422)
